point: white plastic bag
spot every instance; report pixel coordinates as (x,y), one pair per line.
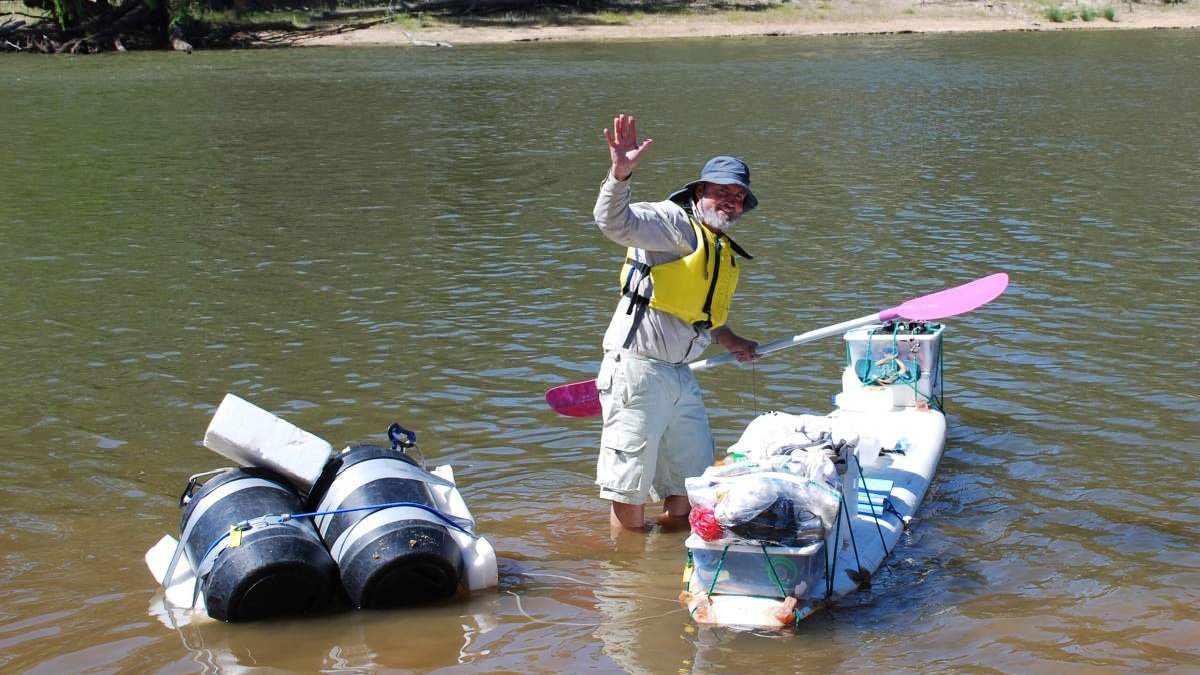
(771,507)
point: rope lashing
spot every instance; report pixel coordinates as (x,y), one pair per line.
(850,528)
(460,524)
(237,529)
(890,369)
(831,567)
(875,516)
(771,566)
(717,572)
(716,575)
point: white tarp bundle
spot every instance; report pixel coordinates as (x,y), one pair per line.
(777,433)
(784,489)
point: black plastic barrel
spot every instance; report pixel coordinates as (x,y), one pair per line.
(387,557)
(275,568)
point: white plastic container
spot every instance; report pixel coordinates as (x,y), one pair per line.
(861,398)
(925,349)
(867,451)
(251,436)
(480,569)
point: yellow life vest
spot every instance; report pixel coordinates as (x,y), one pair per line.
(698,288)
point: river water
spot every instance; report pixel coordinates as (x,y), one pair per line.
(350,237)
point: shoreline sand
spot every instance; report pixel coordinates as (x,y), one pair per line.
(804,18)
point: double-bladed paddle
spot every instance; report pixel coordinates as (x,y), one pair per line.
(581,399)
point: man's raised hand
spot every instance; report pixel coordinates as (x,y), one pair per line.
(623,146)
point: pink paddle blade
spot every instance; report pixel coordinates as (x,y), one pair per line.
(580,399)
(951,301)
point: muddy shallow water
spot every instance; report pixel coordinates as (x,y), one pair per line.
(353,237)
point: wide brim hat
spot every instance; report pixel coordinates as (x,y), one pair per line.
(722,170)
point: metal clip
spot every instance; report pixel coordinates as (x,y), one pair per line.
(194,481)
(395,431)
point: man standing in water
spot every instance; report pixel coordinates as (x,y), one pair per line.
(676,284)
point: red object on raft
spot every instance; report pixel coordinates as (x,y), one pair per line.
(704,523)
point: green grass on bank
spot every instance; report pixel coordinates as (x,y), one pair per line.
(299,17)
(1058,14)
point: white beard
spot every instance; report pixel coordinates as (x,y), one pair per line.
(712,217)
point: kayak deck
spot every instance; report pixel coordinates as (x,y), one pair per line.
(887,494)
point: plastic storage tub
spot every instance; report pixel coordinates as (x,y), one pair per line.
(744,569)
(876,343)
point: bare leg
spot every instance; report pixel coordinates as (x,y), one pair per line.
(675,512)
(627,516)
(677,505)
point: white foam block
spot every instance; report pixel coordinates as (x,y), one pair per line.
(479,563)
(480,569)
(180,590)
(252,436)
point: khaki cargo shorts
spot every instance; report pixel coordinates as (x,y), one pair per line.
(656,431)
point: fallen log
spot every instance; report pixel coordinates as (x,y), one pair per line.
(10,26)
(92,42)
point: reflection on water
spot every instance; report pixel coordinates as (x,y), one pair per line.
(353,237)
(364,642)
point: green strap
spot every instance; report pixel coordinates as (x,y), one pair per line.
(863,478)
(716,575)
(774,576)
(831,568)
(932,399)
(850,527)
(717,572)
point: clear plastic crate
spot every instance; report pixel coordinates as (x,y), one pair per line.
(745,570)
(876,343)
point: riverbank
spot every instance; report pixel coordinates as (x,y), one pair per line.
(799,17)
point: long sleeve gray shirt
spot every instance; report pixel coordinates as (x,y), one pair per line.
(659,232)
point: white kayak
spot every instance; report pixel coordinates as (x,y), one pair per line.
(894,408)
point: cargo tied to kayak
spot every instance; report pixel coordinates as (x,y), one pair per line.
(803,509)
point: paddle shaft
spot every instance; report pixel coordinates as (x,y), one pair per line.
(810,336)
(949,302)
(581,399)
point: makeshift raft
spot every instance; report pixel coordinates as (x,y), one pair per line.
(804,509)
(299,528)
